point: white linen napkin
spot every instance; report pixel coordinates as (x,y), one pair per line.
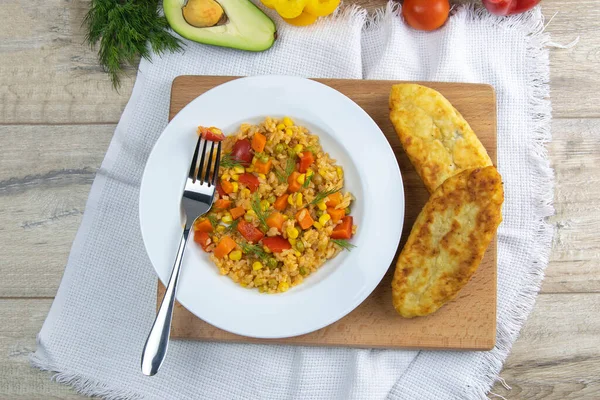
(105,305)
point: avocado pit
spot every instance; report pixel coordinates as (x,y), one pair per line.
(203,13)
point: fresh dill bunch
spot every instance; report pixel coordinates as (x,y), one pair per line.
(344,244)
(126,31)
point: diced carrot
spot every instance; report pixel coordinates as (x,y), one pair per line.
(263,168)
(334,199)
(258,142)
(249,231)
(293,185)
(343,230)
(222,204)
(335,214)
(203,225)
(306,160)
(281,202)
(226,244)
(275,220)
(304,219)
(227,186)
(276,244)
(250,181)
(202,238)
(237,212)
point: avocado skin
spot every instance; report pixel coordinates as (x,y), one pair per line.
(247,27)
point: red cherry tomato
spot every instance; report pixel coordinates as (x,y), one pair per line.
(250,181)
(242,152)
(509,7)
(425,15)
(211,133)
(276,244)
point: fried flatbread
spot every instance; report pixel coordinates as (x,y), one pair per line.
(447,241)
(436,138)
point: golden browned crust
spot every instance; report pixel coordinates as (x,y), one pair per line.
(436,138)
(447,241)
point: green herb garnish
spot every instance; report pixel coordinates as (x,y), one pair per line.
(127,30)
(255,250)
(307,181)
(344,244)
(321,195)
(233,226)
(214,221)
(228,161)
(260,214)
(282,176)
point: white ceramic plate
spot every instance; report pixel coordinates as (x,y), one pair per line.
(371,174)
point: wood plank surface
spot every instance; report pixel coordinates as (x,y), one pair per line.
(468,322)
(49,76)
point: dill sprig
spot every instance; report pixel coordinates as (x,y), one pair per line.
(260,214)
(214,221)
(344,244)
(282,176)
(319,197)
(228,161)
(127,30)
(307,181)
(233,226)
(254,249)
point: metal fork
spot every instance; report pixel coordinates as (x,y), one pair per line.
(197,199)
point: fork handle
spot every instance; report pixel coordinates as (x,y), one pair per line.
(157,343)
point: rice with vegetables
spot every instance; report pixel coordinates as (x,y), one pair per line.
(280,211)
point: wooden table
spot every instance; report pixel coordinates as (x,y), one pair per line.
(57,115)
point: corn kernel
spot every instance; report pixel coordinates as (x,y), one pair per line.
(220,228)
(287,121)
(262,176)
(215,239)
(225,177)
(309,173)
(235,177)
(288,132)
(292,241)
(292,232)
(235,187)
(321,172)
(322,206)
(243,284)
(297,253)
(238,169)
(283,286)
(266,249)
(251,212)
(235,255)
(245,192)
(323,219)
(248,217)
(264,205)
(317,225)
(254,159)
(257,265)
(290,199)
(299,199)
(227,218)
(298,148)
(340,172)
(280,127)
(250,169)
(301,179)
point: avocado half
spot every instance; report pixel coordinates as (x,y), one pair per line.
(247,27)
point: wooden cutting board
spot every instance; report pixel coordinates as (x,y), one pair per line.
(468,322)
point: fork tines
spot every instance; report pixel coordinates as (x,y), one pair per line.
(205,170)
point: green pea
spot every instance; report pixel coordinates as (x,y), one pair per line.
(347,210)
(279,148)
(272,283)
(300,245)
(302,271)
(272,263)
(272,199)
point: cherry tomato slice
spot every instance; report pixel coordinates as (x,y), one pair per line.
(211,133)
(250,181)
(277,244)
(242,152)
